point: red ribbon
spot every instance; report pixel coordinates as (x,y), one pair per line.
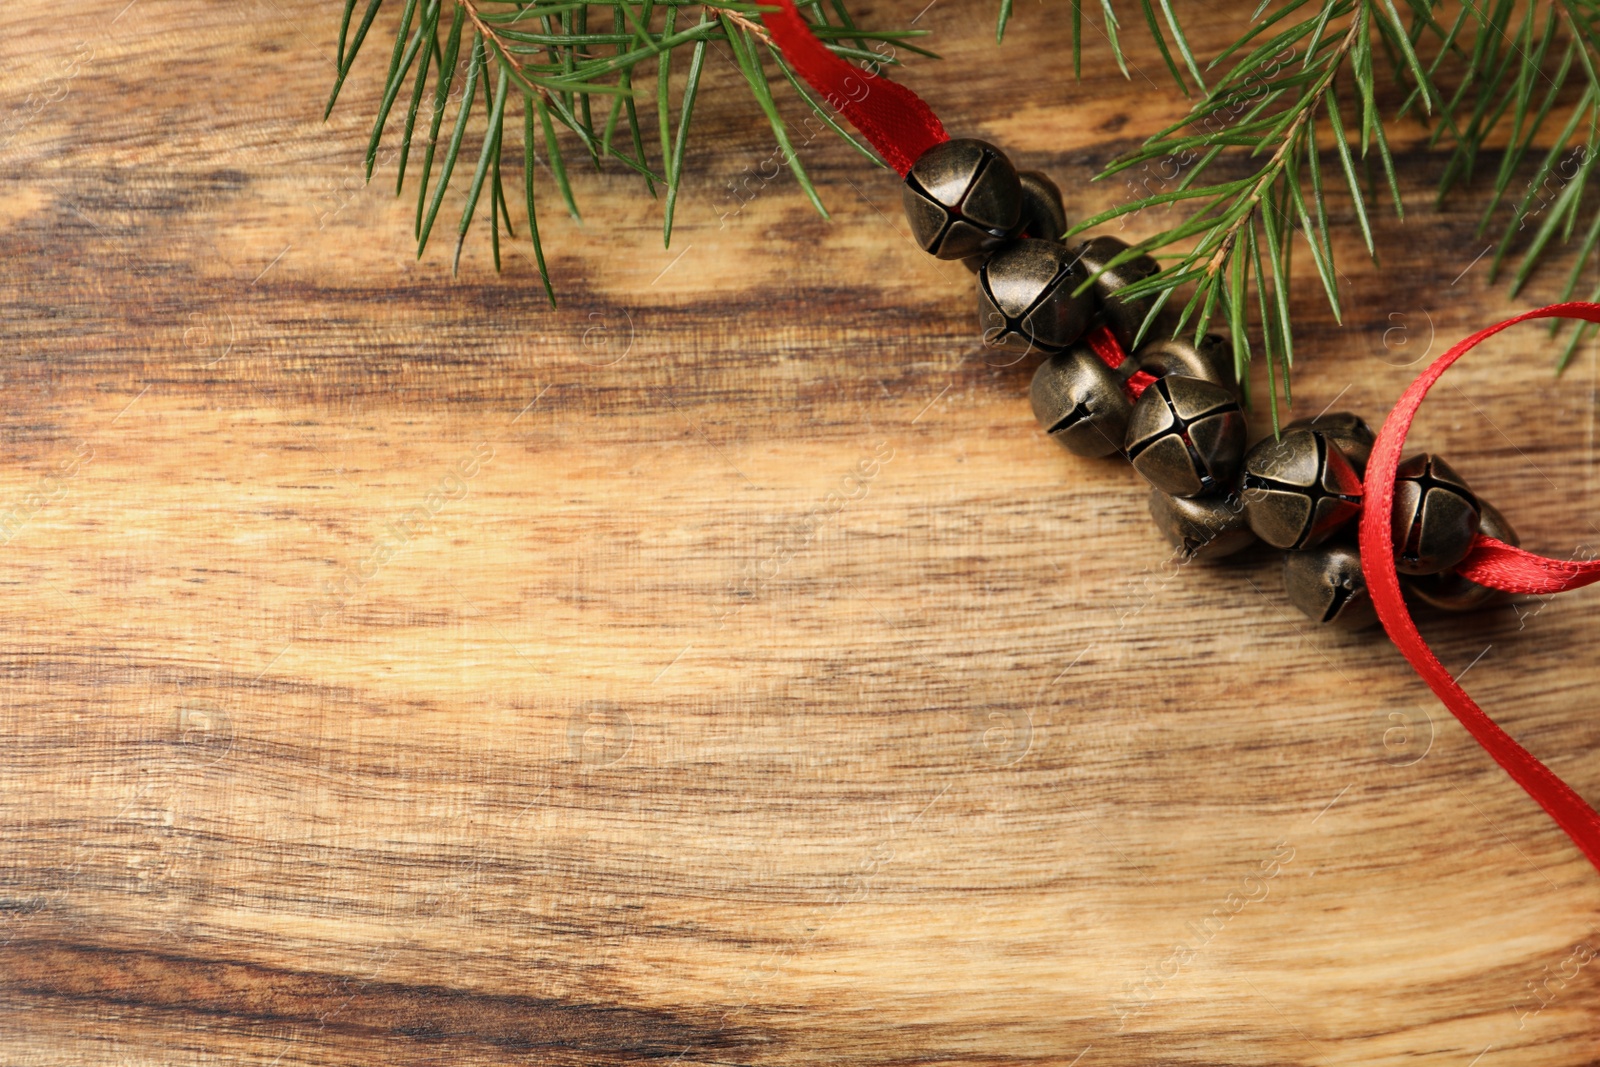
(1103,343)
(901,127)
(1515,570)
(892,118)
(1492,563)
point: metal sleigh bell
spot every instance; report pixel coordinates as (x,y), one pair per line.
(1079,402)
(1043,212)
(1299,490)
(1205,527)
(1450,591)
(1328,585)
(962,198)
(1025,298)
(1186,435)
(1436,516)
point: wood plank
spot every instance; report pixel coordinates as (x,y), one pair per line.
(722,667)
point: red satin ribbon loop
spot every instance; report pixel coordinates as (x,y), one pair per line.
(1490,563)
(892,118)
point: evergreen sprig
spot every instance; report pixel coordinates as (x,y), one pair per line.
(1298,98)
(569,66)
(1283,118)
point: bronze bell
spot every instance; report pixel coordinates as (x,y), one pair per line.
(1204,527)
(1450,591)
(1435,516)
(1186,435)
(1079,402)
(962,197)
(1123,316)
(1327,584)
(1299,489)
(1346,431)
(1025,299)
(1211,360)
(1043,212)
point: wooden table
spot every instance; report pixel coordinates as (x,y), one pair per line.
(722,668)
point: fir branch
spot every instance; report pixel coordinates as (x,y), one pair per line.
(544,53)
(1523,74)
(1268,102)
(1306,73)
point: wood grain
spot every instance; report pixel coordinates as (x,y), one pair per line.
(721,668)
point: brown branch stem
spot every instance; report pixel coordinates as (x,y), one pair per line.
(1270,172)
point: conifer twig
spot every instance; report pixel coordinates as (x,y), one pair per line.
(544,52)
